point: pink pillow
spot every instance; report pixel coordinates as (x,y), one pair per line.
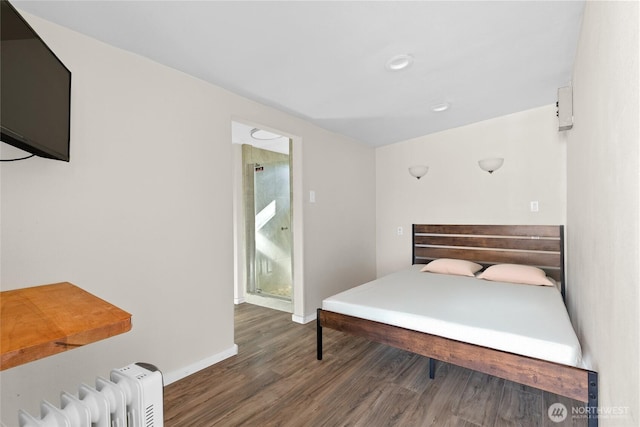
(515,273)
(457,267)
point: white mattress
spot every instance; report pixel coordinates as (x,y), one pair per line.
(522,319)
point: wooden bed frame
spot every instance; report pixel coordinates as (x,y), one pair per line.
(541,246)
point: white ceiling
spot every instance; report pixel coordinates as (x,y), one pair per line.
(324,61)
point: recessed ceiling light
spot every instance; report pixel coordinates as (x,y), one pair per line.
(399,62)
(438,108)
(263,135)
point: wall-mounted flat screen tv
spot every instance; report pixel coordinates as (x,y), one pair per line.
(35,90)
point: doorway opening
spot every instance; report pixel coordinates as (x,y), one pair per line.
(267,211)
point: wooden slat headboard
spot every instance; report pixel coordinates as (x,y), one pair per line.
(537,245)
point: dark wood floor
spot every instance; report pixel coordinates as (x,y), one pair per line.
(275,380)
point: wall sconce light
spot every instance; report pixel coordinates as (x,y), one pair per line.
(491,165)
(418,171)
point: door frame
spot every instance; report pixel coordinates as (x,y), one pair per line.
(297,204)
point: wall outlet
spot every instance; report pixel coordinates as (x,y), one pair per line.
(534,206)
(400,231)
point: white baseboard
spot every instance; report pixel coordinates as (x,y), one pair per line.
(237,301)
(179,374)
(305,319)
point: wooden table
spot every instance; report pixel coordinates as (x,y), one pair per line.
(44,320)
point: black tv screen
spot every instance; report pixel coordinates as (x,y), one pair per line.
(35,90)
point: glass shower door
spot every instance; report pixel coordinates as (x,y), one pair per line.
(272,230)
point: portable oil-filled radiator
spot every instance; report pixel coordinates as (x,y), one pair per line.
(132,397)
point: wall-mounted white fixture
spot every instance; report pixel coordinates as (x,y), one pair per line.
(399,62)
(565,108)
(491,164)
(263,135)
(418,171)
(534,206)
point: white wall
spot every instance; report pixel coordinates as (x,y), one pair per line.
(603,181)
(339,228)
(456,190)
(142,215)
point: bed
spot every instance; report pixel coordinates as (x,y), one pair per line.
(518,332)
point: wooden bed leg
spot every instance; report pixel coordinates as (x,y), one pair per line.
(592,405)
(432,368)
(318,337)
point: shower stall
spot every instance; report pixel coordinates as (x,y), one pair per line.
(267,199)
